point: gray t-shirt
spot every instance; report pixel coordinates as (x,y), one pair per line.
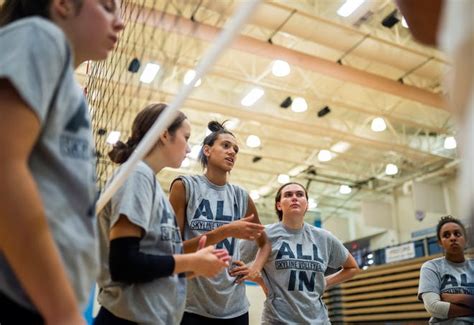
(144,203)
(210,206)
(442,276)
(294,273)
(36,59)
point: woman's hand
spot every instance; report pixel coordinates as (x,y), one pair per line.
(242,272)
(209,261)
(244,228)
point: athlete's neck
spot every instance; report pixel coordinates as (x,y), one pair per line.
(216,176)
(293,222)
(455,258)
(155,162)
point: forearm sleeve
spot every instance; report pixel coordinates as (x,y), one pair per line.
(435,306)
(127,264)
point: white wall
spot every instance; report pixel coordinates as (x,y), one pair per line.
(339,227)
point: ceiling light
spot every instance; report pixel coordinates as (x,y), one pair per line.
(324,155)
(283,178)
(280,68)
(286,102)
(349,7)
(312,204)
(370,262)
(324,111)
(365,267)
(297,170)
(264,190)
(404,22)
(450,143)
(378,124)
(113,137)
(186,163)
(391,169)
(149,73)
(345,189)
(370,256)
(341,147)
(195,150)
(252,97)
(253,141)
(232,124)
(254,195)
(189,76)
(299,105)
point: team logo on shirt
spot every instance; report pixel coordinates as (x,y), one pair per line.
(169,230)
(303,266)
(204,219)
(449,284)
(71,145)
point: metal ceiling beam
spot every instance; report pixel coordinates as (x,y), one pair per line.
(209,33)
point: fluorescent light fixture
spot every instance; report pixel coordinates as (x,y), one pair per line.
(297,170)
(280,68)
(341,147)
(113,137)
(253,141)
(252,97)
(195,150)
(283,178)
(186,163)
(391,169)
(149,73)
(264,190)
(254,195)
(324,155)
(189,76)
(299,105)
(345,189)
(232,124)
(404,22)
(378,124)
(349,7)
(450,143)
(312,204)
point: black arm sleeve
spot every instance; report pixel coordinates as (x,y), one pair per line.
(127,264)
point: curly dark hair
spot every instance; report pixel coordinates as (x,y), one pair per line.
(448,219)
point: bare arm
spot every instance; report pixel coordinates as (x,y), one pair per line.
(27,242)
(245,228)
(459,299)
(349,270)
(459,311)
(443,306)
(263,244)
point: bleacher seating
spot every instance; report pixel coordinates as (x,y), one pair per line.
(384,294)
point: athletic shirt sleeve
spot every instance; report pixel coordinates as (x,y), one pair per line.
(429,279)
(134,199)
(34,53)
(338,253)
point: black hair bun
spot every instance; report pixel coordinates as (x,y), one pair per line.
(215,126)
